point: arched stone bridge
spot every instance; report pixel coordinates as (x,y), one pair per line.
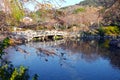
(30,34)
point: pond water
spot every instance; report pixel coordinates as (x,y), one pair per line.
(68,59)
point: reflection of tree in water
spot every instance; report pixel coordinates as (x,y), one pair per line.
(62,57)
(111,53)
(115,59)
(91,50)
(87,48)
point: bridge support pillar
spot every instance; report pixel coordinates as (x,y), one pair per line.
(43,38)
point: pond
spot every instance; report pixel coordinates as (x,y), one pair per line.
(68,59)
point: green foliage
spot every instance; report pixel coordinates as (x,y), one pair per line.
(109,30)
(101,31)
(19,74)
(4,45)
(9,72)
(6,42)
(7,69)
(17,11)
(79,10)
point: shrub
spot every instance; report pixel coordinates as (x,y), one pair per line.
(7,70)
(16,10)
(109,30)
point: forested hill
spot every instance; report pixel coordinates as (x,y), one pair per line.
(86,15)
(104,3)
(111,10)
(112,14)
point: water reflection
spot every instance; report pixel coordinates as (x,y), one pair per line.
(91,50)
(69,59)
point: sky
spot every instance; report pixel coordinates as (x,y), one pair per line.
(71,2)
(62,4)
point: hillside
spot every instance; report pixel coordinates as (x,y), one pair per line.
(77,17)
(96,3)
(84,16)
(112,14)
(81,16)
